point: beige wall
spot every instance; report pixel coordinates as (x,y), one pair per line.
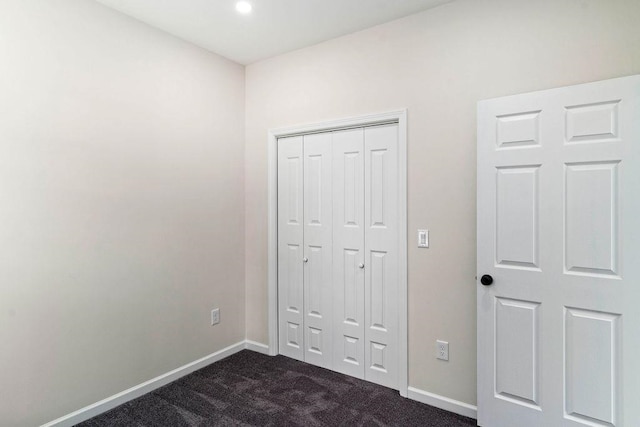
(123,175)
(438,64)
(121,194)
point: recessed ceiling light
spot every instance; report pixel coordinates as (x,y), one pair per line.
(243,7)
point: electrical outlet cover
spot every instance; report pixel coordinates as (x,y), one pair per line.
(442,350)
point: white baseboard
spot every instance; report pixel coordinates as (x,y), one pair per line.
(146,387)
(104,405)
(257,347)
(442,402)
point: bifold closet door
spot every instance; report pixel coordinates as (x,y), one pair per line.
(290,247)
(338,251)
(348,252)
(365,253)
(317,249)
(381,260)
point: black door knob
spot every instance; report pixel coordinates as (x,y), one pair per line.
(486,280)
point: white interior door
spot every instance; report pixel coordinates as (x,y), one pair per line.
(290,247)
(348,252)
(559,233)
(381,249)
(318,235)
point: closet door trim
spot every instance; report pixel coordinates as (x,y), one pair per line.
(399,117)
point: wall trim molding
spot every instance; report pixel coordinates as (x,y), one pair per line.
(125,396)
(258,347)
(395,116)
(442,402)
(117,399)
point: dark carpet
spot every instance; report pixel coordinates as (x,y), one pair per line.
(251,389)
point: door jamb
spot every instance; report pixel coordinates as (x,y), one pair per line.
(397,116)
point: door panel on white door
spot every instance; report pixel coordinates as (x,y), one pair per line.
(592,122)
(381,249)
(351,292)
(314,186)
(591,242)
(291,274)
(352,352)
(558,212)
(314,339)
(377,261)
(377,159)
(348,251)
(517,217)
(379,357)
(591,381)
(314,281)
(518,130)
(293,337)
(517,352)
(318,249)
(290,247)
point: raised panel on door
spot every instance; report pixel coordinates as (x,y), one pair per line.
(348,252)
(290,248)
(318,253)
(381,254)
(517,352)
(517,214)
(591,240)
(558,204)
(592,367)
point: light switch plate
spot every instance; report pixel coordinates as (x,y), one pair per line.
(423,238)
(215,316)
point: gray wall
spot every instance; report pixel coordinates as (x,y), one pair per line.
(438,64)
(121,205)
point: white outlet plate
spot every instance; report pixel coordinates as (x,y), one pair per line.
(215,316)
(442,350)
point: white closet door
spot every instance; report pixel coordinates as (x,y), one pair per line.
(317,249)
(290,247)
(348,252)
(381,249)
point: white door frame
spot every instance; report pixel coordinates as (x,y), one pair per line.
(397,116)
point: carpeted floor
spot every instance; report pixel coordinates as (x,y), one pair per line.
(251,389)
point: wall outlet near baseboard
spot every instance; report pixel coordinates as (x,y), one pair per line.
(442,350)
(215,316)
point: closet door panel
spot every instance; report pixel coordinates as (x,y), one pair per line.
(348,252)
(317,249)
(290,248)
(381,261)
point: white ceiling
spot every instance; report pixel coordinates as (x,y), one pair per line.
(274,26)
